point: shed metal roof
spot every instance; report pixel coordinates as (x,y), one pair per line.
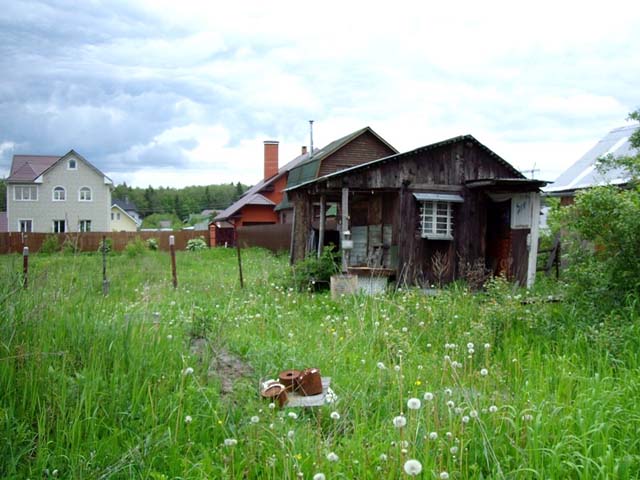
(583,173)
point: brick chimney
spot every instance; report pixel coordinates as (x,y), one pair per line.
(270,158)
(304,149)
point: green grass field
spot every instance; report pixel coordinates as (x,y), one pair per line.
(129,386)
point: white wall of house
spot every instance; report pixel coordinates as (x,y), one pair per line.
(45,210)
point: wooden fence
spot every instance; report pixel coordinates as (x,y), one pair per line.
(13,242)
(276,237)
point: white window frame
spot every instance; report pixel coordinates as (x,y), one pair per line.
(20,220)
(80,199)
(75,164)
(432,215)
(21,189)
(64,226)
(53,194)
(82,225)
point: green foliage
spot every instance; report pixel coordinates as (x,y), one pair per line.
(603,228)
(153,221)
(70,245)
(196,244)
(108,243)
(51,244)
(152,244)
(314,272)
(135,248)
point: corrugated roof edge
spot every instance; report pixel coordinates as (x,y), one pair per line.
(412,152)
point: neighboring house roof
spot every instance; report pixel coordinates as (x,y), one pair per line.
(399,156)
(308,169)
(28,168)
(583,173)
(125,205)
(208,212)
(252,195)
(4,222)
(118,207)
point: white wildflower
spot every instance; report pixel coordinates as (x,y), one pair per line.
(493,409)
(230,442)
(319,476)
(255,419)
(292,415)
(188,419)
(332,457)
(413,404)
(484,372)
(433,436)
(412,467)
(335,416)
(444,476)
(428,396)
(399,421)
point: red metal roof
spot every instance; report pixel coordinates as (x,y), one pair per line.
(26,168)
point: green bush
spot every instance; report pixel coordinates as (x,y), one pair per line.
(51,244)
(196,244)
(314,272)
(152,244)
(70,245)
(135,247)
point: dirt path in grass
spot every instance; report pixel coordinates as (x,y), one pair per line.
(227,367)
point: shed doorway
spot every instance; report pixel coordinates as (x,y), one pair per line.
(498,258)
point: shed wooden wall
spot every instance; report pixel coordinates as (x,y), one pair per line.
(363,149)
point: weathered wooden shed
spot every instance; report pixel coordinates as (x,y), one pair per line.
(425,216)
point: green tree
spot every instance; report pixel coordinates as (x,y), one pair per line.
(603,227)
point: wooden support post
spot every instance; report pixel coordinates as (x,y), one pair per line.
(344,227)
(105,282)
(235,233)
(293,238)
(25,267)
(172,249)
(323,202)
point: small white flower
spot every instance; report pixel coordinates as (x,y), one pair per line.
(169,337)
(396,368)
(448,391)
(473,414)
(332,457)
(290,434)
(465,419)
(493,409)
(187,371)
(451,404)
(380,365)
(255,419)
(444,476)
(399,421)
(527,417)
(272,406)
(471,351)
(293,415)
(335,416)
(484,372)
(449,435)
(453,450)
(433,436)
(412,467)
(487,346)
(405,329)
(230,442)
(470,346)
(413,404)
(319,476)
(188,419)
(383,457)
(428,396)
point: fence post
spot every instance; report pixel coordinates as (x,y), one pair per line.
(25,267)
(172,248)
(105,282)
(235,233)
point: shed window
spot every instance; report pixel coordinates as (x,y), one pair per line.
(436,220)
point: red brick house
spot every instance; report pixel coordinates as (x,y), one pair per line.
(265,203)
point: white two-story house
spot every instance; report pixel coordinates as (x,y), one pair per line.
(57,194)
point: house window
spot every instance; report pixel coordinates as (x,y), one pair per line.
(25,226)
(85,226)
(84,194)
(59,194)
(436,220)
(112,215)
(72,164)
(118,214)
(59,226)
(25,193)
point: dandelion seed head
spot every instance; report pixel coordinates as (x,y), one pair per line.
(332,457)
(380,365)
(428,396)
(335,416)
(493,409)
(292,415)
(473,414)
(453,450)
(412,467)
(484,372)
(399,421)
(319,476)
(255,419)
(413,404)
(433,436)
(451,404)
(444,476)
(188,419)
(383,457)
(396,368)
(465,419)
(230,442)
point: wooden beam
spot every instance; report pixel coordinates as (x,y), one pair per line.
(345,227)
(323,204)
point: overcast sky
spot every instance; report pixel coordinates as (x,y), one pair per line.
(177,93)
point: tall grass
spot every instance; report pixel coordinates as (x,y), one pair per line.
(101,387)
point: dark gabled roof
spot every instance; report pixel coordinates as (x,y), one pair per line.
(26,168)
(398,156)
(308,170)
(125,205)
(583,173)
(252,194)
(4,222)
